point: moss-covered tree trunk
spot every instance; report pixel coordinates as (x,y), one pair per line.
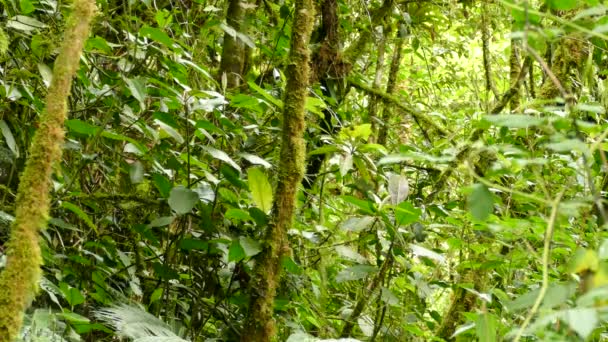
(234,53)
(514,70)
(19,280)
(260,323)
(390,89)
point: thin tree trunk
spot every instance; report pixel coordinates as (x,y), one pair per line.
(260,324)
(19,280)
(234,52)
(485,39)
(390,89)
(514,69)
(375,100)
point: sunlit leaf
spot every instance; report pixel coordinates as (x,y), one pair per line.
(260,187)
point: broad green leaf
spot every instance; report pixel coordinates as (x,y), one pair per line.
(563,5)
(584,260)
(137,87)
(316,106)
(157,35)
(71,294)
(161,221)
(364,205)
(350,254)
(582,320)
(80,213)
(514,120)
(250,246)
(265,95)
(237,214)
(255,160)
(166,130)
(355,273)
(346,164)
(162,184)
(359,131)
(193,244)
(46,73)
(406,213)
(486,327)
(25,23)
(420,251)
(389,297)
(260,188)
(156,295)
(98,44)
(357,224)
(481,202)
(9,138)
(398,188)
(182,199)
(236,252)
(82,127)
(221,155)
(290,265)
(26,6)
(568,145)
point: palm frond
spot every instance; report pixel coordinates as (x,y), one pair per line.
(134,323)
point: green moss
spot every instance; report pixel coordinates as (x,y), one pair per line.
(19,280)
(260,323)
(3,42)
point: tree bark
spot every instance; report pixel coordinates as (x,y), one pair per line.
(19,280)
(260,324)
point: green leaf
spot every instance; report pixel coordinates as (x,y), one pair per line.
(25,23)
(255,160)
(406,213)
(355,273)
(136,172)
(81,214)
(193,244)
(182,199)
(562,5)
(582,320)
(74,318)
(481,202)
(26,6)
(237,214)
(221,155)
(398,188)
(163,184)
(236,252)
(357,224)
(250,246)
(82,127)
(265,95)
(9,138)
(486,327)
(514,120)
(137,87)
(290,265)
(71,294)
(364,205)
(157,35)
(260,187)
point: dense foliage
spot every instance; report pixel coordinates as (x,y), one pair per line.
(454,177)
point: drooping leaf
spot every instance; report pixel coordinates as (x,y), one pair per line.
(9,138)
(486,327)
